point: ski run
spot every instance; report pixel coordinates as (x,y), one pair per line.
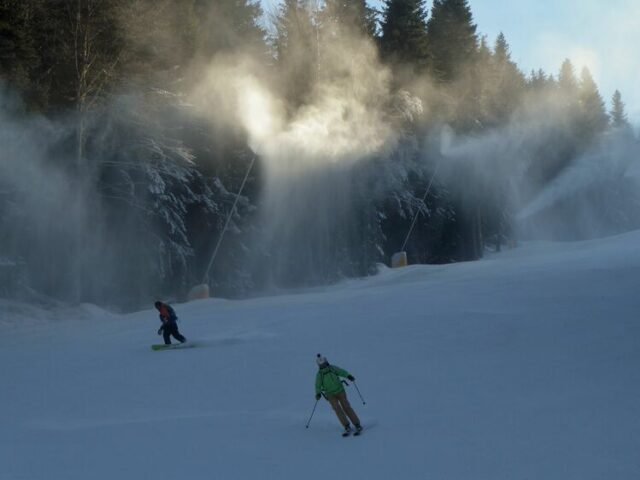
(524,365)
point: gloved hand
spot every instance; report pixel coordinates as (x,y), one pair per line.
(350,377)
(318,396)
(160,331)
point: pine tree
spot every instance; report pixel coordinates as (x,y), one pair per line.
(89,45)
(163,38)
(19,59)
(451,37)
(501,51)
(352,15)
(506,83)
(593,115)
(229,25)
(511,79)
(618,114)
(503,88)
(539,81)
(12,41)
(453,52)
(568,86)
(484,52)
(404,33)
(296,45)
(578,118)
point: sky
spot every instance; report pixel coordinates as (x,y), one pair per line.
(602,35)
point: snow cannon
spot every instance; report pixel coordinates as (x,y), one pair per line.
(199,292)
(399,260)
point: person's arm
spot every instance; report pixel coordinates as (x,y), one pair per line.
(318,385)
(342,372)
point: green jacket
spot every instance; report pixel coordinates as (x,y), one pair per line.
(328,380)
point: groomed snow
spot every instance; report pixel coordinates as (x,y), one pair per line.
(522,366)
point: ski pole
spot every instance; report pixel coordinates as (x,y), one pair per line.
(358,390)
(312,412)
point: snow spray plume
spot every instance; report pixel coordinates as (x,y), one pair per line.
(41,208)
(594,197)
(89,231)
(327,109)
(307,151)
(588,192)
(578,202)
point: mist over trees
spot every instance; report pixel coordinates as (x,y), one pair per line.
(114,187)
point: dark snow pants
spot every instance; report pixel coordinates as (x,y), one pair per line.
(343,409)
(169,329)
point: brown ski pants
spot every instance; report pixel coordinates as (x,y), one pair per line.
(343,409)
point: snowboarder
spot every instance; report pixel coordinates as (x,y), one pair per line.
(169,325)
(329,385)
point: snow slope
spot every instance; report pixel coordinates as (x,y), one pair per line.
(522,366)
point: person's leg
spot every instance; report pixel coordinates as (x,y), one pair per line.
(335,404)
(166,333)
(176,334)
(346,407)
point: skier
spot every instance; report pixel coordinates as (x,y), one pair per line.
(169,325)
(329,385)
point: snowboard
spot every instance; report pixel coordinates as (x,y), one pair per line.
(173,346)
